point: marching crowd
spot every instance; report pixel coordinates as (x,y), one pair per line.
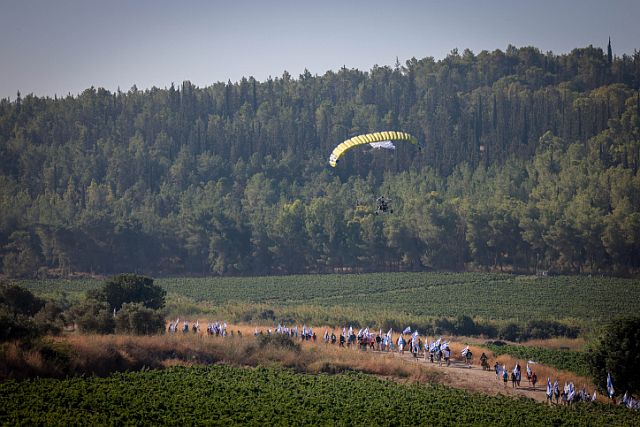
(437,351)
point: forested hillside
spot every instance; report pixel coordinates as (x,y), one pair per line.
(530,162)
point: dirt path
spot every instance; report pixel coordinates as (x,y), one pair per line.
(473,378)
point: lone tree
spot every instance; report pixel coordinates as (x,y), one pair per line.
(131,288)
(617,351)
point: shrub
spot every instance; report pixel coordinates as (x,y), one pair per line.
(16,326)
(617,351)
(277,340)
(20,300)
(125,288)
(135,318)
(93,316)
(510,332)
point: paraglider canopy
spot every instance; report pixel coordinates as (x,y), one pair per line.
(376,140)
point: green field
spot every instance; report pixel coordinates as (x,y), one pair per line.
(222,395)
(405,296)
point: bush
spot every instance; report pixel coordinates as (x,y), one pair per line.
(277,340)
(16,326)
(135,318)
(125,288)
(617,351)
(93,316)
(510,332)
(20,300)
(50,319)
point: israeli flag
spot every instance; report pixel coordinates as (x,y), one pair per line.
(572,392)
(549,389)
(610,389)
(625,398)
(350,330)
(464,351)
(407,330)
(593,399)
(528,370)
(415,335)
(389,333)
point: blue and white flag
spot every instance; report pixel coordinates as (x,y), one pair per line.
(407,330)
(610,389)
(415,335)
(350,330)
(549,389)
(464,351)
(528,371)
(389,333)
(593,399)
(556,389)
(572,392)
(625,398)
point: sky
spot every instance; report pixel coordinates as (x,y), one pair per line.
(60,47)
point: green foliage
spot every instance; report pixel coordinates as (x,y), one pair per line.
(530,163)
(569,304)
(132,288)
(135,318)
(93,316)
(617,351)
(277,340)
(16,326)
(267,396)
(566,360)
(19,300)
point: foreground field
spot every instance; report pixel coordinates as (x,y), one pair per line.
(400,297)
(223,395)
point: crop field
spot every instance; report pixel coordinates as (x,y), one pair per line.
(222,395)
(499,297)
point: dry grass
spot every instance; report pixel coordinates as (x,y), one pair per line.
(104,354)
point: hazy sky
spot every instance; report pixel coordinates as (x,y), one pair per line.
(52,47)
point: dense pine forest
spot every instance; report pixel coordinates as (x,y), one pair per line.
(530,163)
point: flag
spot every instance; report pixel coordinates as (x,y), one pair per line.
(531,362)
(415,335)
(555,387)
(350,330)
(625,398)
(549,390)
(407,330)
(610,389)
(389,333)
(572,392)
(593,399)
(528,371)
(344,331)
(464,351)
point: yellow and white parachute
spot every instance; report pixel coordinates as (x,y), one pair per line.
(371,138)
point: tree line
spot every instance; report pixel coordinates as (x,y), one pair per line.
(530,163)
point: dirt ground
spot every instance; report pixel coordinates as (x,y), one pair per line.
(473,378)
